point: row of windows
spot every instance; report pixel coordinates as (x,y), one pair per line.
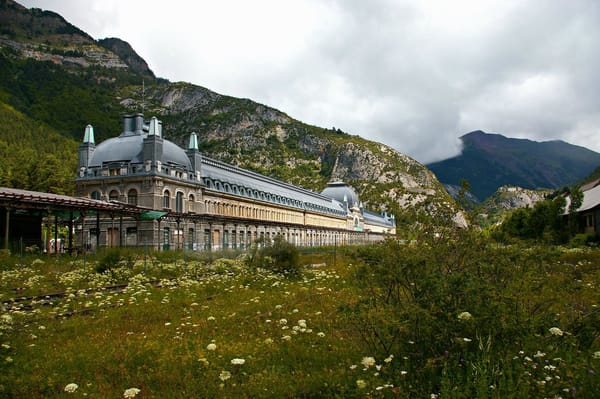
(178,201)
(251,212)
(113,195)
(260,195)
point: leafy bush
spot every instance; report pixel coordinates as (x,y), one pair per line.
(468,317)
(582,240)
(114,258)
(280,257)
(109,261)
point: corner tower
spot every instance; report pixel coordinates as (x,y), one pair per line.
(86,150)
(194,154)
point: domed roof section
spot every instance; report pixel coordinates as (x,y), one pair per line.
(129,147)
(172,153)
(341,191)
(118,149)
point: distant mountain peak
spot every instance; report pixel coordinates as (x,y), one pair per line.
(489,161)
(127,54)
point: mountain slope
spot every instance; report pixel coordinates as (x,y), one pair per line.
(34,156)
(489,161)
(68,83)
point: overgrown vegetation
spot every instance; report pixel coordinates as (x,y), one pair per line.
(549,221)
(279,256)
(450,315)
(471,319)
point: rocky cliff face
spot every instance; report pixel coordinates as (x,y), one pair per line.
(510,197)
(268,141)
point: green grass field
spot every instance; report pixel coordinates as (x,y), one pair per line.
(180,327)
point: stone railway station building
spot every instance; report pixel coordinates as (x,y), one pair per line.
(195,202)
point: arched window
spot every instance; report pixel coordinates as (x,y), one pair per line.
(167,199)
(132,198)
(95,195)
(114,195)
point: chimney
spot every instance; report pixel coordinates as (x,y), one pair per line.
(127,125)
(138,124)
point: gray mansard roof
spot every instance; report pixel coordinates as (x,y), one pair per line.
(231,179)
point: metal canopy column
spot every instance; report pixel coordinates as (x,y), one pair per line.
(6,229)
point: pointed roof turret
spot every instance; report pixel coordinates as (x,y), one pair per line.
(155,127)
(193,142)
(88,137)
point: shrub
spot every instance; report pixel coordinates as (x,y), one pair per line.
(582,240)
(113,258)
(280,257)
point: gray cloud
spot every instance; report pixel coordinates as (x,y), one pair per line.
(415,75)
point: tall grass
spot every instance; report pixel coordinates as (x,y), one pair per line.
(456,317)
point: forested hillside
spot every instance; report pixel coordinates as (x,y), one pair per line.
(34,156)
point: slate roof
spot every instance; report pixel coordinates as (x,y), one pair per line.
(226,173)
(591,199)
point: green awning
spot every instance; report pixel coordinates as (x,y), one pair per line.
(152,215)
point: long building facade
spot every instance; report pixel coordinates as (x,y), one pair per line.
(187,200)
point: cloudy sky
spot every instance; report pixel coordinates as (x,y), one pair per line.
(415,75)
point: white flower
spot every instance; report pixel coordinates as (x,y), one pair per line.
(596,355)
(368,361)
(238,361)
(210,318)
(302,323)
(211,347)
(465,316)
(556,331)
(361,384)
(467,339)
(72,387)
(224,375)
(388,359)
(131,393)
(321,334)
(286,338)
(403,372)
(283,321)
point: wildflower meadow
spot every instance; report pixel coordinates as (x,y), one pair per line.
(451,317)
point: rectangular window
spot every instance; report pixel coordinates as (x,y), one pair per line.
(179,202)
(207,239)
(166,238)
(225,239)
(191,239)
